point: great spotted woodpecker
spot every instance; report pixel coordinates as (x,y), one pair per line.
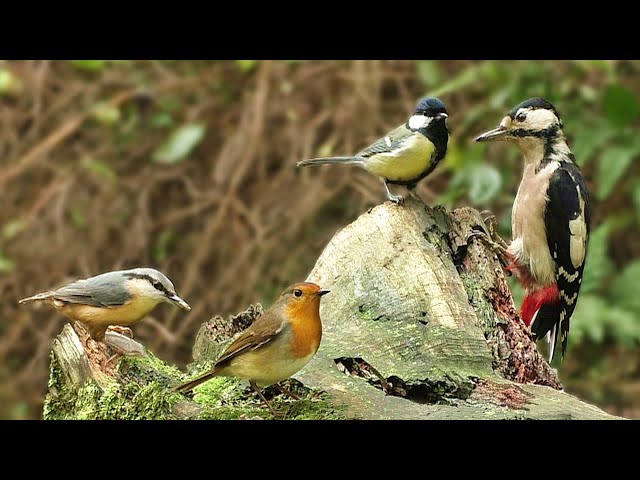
(549,222)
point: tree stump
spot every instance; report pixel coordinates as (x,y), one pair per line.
(419,324)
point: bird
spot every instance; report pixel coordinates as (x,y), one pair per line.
(406,154)
(120,298)
(550,220)
(276,345)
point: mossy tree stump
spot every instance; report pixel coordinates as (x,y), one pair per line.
(419,324)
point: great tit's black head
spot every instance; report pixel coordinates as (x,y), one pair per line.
(535,118)
(427,110)
(430,106)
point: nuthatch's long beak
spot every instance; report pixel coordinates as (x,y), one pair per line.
(176,300)
(495,134)
(322,292)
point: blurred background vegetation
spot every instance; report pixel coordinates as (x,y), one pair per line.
(189,167)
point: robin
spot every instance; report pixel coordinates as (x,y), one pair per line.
(276,345)
(120,298)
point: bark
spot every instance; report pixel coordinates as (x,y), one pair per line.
(419,324)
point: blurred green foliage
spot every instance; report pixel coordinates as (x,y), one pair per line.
(599,102)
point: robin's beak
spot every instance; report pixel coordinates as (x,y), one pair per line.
(176,300)
(495,134)
(322,292)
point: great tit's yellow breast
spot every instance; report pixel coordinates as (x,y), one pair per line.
(404,164)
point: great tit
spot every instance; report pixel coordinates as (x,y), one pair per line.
(405,155)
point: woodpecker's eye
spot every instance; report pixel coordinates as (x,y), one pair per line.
(297,293)
(521,117)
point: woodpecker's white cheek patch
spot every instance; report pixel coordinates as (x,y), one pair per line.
(418,121)
(539,119)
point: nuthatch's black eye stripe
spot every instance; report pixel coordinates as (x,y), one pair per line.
(155,283)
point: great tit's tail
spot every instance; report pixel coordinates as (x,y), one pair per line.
(191,384)
(327,160)
(35,298)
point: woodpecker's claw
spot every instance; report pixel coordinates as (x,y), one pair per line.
(499,248)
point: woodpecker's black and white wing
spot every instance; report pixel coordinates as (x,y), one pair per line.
(567,223)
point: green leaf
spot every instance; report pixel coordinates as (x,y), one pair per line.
(11,229)
(588,139)
(101,169)
(246,65)
(620,105)
(161,120)
(428,72)
(106,113)
(77,217)
(611,167)
(636,199)
(588,319)
(485,182)
(625,289)
(5,80)
(6,265)
(89,65)
(622,325)
(179,144)
(165,242)
(598,266)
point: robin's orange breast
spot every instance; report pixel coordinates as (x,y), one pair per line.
(306,327)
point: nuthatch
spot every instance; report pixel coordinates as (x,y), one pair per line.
(122,297)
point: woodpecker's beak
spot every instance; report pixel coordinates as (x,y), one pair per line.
(322,292)
(176,300)
(495,134)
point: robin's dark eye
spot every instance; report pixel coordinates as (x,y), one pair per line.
(297,293)
(521,117)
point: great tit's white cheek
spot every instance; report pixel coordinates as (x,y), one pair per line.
(419,121)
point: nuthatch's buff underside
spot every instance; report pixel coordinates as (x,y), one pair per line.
(405,155)
(276,345)
(550,219)
(122,297)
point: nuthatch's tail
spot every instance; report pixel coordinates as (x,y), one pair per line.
(191,384)
(39,296)
(327,160)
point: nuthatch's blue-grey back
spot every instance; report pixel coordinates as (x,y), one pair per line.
(122,297)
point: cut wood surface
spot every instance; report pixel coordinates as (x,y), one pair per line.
(419,324)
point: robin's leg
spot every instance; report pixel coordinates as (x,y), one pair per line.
(255,387)
(288,392)
(397,199)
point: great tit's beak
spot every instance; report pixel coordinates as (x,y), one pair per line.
(322,292)
(495,134)
(176,300)
(442,115)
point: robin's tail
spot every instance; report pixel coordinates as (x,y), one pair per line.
(39,296)
(327,160)
(191,384)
